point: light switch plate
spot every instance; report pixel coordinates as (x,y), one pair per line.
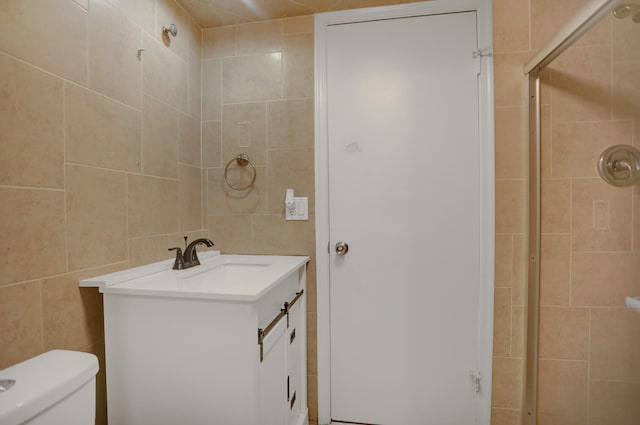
(299,211)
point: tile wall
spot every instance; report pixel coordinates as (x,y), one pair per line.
(258,99)
(100,163)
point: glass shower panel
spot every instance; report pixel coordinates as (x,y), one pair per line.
(589,341)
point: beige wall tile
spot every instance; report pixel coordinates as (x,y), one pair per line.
(72,317)
(212,90)
(142,12)
(290,168)
(28,35)
(511,204)
(34,234)
(503,260)
(580,96)
(290,123)
(100,131)
(520,269)
(312,288)
(96,217)
(518,331)
(190,198)
(223,200)
(153,205)
(502,322)
(195,86)
(219,42)
(195,38)
(312,343)
(299,24)
(614,403)
(297,66)
(252,78)
(32,149)
(615,346)
(600,216)
(510,83)
(114,67)
(260,37)
(244,130)
(189,141)
(604,279)
(555,269)
(625,41)
(232,234)
(562,392)
(507,383)
(506,416)
(275,236)
(148,250)
(159,139)
(20,323)
(165,75)
(212,144)
(545,141)
(564,333)
(548,17)
(170,12)
(625,90)
(511,143)
(577,146)
(555,206)
(510,25)
(312,398)
(101,383)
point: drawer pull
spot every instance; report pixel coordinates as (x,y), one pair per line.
(293,400)
(293,336)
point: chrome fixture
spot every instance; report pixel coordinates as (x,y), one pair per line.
(173,30)
(242,160)
(190,256)
(619,165)
(627,9)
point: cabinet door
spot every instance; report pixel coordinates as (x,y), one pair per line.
(273,376)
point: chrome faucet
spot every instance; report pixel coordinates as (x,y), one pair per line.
(190,256)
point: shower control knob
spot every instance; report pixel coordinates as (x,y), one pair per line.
(342,248)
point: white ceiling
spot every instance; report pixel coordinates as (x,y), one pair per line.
(214,13)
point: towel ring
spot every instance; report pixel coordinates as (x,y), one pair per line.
(241,160)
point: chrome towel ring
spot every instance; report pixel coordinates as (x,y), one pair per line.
(242,160)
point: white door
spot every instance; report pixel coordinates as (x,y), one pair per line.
(404,194)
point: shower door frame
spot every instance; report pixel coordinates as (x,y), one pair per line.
(587,17)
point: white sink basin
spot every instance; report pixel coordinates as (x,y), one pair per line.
(233,277)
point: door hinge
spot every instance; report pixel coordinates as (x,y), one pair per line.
(479,54)
(475,379)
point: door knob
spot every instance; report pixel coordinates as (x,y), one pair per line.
(342,248)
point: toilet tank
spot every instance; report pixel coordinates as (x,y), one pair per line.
(54,388)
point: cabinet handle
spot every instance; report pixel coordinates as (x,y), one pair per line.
(293,400)
(293,336)
(288,389)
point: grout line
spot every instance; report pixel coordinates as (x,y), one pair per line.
(64,175)
(588,367)
(41,316)
(126,205)
(133,173)
(48,189)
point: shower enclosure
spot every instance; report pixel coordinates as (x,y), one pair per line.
(583,342)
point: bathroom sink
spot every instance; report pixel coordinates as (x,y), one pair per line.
(232,277)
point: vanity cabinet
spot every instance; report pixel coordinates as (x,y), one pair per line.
(189,352)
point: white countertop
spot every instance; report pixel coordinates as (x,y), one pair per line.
(221,277)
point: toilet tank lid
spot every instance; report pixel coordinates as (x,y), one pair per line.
(43,381)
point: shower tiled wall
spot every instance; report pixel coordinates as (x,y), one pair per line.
(588,368)
(99,166)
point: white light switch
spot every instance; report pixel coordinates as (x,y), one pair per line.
(299,210)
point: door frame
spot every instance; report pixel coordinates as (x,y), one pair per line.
(487,185)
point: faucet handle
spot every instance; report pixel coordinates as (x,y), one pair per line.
(178,264)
